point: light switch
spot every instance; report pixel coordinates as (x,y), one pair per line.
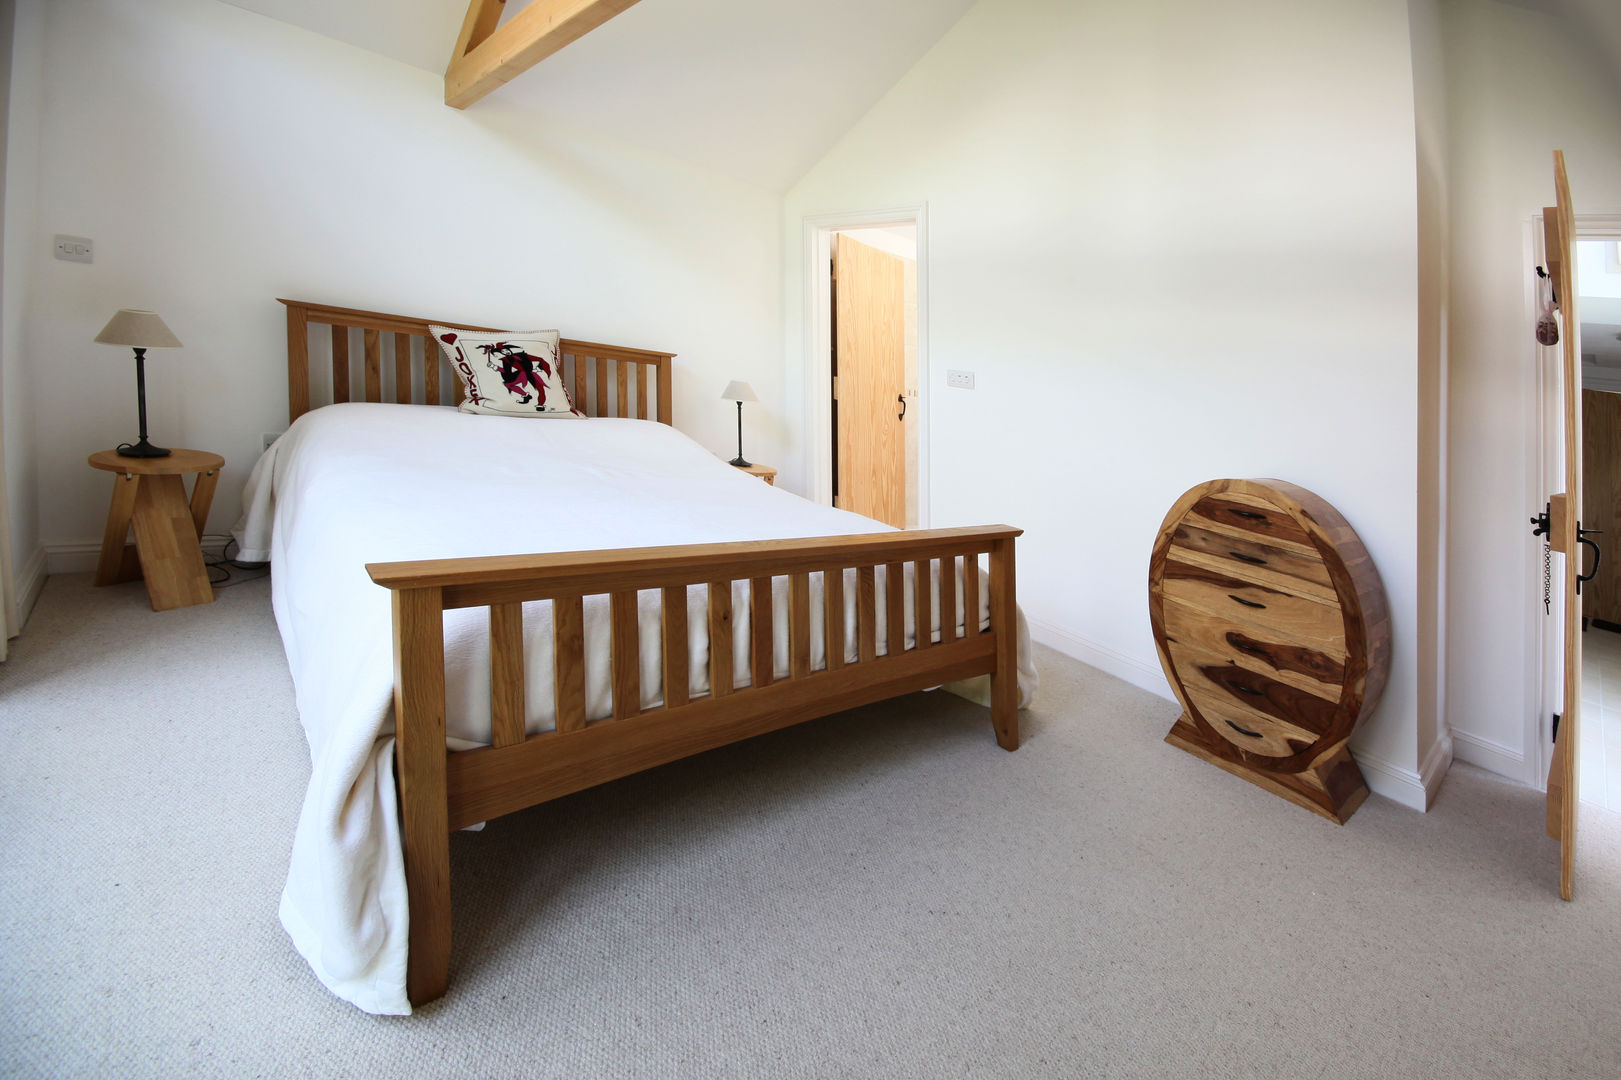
(74,248)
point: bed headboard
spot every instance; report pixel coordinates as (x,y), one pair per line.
(605,380)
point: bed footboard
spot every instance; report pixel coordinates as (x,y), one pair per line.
(440,791)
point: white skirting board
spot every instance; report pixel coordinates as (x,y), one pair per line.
(1129,669)
(81,557)
(1493,756)
(1415,790)
(30,580)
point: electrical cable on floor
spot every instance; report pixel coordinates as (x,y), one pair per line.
(233,572)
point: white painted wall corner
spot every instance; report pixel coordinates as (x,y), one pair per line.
(1414,790)
(1491,755)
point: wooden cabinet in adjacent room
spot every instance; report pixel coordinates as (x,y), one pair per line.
(1601,503)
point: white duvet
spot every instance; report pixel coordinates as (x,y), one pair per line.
(358,483)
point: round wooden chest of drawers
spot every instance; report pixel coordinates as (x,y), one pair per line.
(1271,624)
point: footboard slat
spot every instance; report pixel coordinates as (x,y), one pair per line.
(677,657)
(760,615)
(948,600)
(921,618)
(833,616)
(866,614)
(506,674)
(895,607)
(970,596)
(568,623)
(799,635)
(721,676)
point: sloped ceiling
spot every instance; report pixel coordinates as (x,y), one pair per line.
(758,89)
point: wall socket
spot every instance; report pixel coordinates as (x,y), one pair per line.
(74,248)
(962,380)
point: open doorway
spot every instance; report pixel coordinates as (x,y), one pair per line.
(866,372)
(1599,285)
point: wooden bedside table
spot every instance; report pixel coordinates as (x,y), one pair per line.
(150,496)
(764,472)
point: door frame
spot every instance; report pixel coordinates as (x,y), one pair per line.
(1546,631)
(818,344)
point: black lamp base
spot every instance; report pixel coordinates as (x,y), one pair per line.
(738,461)
(141,449)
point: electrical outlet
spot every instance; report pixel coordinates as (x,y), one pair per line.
(74,248)
(962,380)
(270,437)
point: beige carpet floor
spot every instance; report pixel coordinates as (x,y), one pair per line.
(882,893)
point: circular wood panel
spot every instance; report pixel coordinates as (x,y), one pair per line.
(1270,621)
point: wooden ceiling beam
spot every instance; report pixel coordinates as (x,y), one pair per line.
(480,22)
(487,58)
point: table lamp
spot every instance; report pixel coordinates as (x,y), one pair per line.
(141,330)
(739,392)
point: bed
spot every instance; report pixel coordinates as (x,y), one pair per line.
(442,682)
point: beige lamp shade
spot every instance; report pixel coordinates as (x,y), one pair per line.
(738,391)
(139,329)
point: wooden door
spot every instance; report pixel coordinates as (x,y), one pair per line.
(869,365)
(1559,235)
(1601,502)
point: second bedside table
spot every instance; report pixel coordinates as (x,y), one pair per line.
(764,472)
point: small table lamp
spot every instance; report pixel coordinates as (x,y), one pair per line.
(141,330)
(739,392)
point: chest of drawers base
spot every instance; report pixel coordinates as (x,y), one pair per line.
(1271,624)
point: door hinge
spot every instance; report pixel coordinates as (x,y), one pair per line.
(1555,736)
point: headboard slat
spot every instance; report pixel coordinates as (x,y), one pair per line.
(430,371)
(373,324)
(402,368)
(374,363)
(340,363)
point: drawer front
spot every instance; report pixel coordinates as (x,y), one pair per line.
(1250,518)
(1250,731)
(1285,568)
(1254,713)
(1277,615)
(1195,638)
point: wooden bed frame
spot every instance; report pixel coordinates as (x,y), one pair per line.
(441,791)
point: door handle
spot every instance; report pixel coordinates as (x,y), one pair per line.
(902,399)
(1598,554)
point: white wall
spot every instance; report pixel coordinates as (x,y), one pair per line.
(1174,241)
(1520,84)
(220,159)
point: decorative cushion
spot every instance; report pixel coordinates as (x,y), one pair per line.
(516,373)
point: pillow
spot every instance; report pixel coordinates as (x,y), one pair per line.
(515,373)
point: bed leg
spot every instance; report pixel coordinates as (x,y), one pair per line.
(419,754)
(1004,624)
